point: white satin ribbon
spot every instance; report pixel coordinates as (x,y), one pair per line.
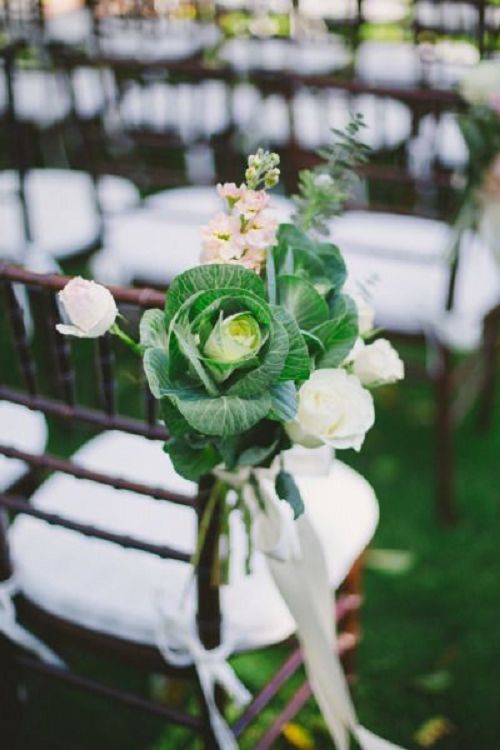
(302,579)
(180,646)
(10,628)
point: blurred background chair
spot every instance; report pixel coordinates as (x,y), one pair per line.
(141,101)
(102,547)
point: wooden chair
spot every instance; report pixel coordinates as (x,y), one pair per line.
(40,374)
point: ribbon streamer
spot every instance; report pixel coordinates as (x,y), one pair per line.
(298,567)
(180,646)
(10,628)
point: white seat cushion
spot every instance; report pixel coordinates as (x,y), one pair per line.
(39,97)
(70,27)
(401,260)
(22,429)
(112,590)
(62,209)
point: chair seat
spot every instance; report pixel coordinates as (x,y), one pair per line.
(70,27)
(401,260)
(62,209)
(114,591)
(22,429)
(40,97)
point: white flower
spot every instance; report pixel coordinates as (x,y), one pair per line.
(481,82)
(89,307)
(378,364)
(366,313)
(334,408)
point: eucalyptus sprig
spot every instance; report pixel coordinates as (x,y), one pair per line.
(324,190)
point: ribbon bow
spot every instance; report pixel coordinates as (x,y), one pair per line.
(11,629)
(180,646)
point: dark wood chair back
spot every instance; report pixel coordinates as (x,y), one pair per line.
(39,372)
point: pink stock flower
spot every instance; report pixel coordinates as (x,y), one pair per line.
(230,192)
(244,235)
(252,202)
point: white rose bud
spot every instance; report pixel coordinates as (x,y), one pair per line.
(334,408)
(89,307)
(378,364)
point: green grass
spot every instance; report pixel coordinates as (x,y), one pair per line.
(440,616)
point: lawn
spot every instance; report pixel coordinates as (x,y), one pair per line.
(431,642)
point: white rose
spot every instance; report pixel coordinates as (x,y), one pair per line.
(334,408)
(378,364)
(481,82)
(89,307)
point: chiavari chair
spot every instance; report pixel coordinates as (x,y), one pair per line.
(94,511)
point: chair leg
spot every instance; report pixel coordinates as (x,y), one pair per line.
(10,706)
(351,621)
(446,507)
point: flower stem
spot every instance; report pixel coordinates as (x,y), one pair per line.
(217,492)
(117,331)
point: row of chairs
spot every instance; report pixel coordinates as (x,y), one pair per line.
(478,19)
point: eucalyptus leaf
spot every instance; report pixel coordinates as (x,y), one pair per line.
(287,490)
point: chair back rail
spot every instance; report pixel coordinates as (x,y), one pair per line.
(67,405)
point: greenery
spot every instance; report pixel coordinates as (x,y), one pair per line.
(430,617)
(324,191)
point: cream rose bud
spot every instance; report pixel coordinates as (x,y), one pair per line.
(89,307)
(333,408)
(378,364)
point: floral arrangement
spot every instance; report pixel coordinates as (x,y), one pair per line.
(480,126)
(259,347)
